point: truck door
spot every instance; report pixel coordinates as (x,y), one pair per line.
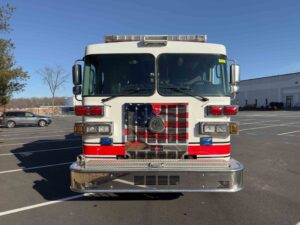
(30,118)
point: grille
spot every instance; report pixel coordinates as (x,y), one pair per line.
(136,122)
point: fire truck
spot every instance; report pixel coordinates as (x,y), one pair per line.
(155,116)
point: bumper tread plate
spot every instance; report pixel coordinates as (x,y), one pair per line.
(213,175)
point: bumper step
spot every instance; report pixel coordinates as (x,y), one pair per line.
(96,176)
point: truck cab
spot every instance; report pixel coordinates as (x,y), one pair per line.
(155,116)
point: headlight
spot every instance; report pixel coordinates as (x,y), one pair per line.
(222,128)
(209,128)
(104,129)
(91,129)
(214,128)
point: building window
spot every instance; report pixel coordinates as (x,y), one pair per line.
(289,102)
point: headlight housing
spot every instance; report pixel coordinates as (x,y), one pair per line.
(93,128)
(219,128)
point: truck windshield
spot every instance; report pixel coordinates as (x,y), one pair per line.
(197,74)
(119,74)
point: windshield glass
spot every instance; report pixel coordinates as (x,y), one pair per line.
(197,74)
(119,74)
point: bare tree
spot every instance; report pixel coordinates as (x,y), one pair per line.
(54,77)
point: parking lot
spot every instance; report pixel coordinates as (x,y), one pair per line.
(34,180)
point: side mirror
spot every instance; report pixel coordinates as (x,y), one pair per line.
(234,74)
(77,76)
(77,90)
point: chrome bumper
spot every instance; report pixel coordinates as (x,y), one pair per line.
(215,175)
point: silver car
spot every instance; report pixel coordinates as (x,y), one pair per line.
(15,118)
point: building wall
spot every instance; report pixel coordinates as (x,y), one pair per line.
(262,91)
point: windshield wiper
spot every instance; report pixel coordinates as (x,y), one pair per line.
(183,91)
(126,93)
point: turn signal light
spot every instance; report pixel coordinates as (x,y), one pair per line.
(89,110)
(78,129)
(234,128)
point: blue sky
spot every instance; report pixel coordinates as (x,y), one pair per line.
(262,35)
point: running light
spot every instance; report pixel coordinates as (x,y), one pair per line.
(231,110)
(155,38)
(206,141)
(89,110)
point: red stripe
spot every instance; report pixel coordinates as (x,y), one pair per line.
(209,150)
(104,150)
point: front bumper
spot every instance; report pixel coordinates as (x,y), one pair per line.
(93,175)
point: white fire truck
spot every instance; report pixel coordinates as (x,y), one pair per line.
(156,115)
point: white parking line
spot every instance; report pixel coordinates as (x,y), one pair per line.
(32,137)
(260,122)
(277,125)
(33,168)
(38,151)
(296,131)
(4,213)
(41,142)
(6,134)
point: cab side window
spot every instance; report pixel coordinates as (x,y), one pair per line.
(20,114)
(28,114)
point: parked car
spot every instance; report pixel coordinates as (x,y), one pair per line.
(16,118)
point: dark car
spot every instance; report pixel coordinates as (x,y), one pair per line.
(15,118)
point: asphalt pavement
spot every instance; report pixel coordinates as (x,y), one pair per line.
(34,180)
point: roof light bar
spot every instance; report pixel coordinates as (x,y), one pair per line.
(155,38)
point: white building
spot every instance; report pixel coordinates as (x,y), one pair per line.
(260,92)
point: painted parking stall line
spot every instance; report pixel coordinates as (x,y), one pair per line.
(260,122)
(291,132)
(4,213)
(41,142)
(32,137)
(7,134)
(40,151)
(277,125)
(34,167)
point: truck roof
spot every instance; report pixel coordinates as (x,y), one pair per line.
(170,47)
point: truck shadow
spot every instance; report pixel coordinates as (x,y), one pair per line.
(50,160)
